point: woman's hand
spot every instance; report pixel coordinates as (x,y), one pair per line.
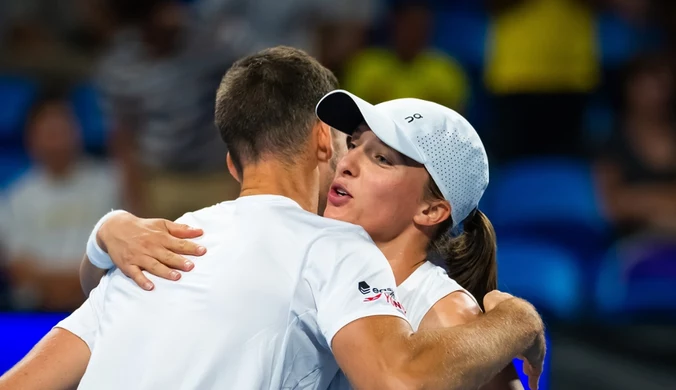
(153,245)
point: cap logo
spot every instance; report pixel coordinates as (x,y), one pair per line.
(413,117)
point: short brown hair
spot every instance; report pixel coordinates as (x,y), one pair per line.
(266,104)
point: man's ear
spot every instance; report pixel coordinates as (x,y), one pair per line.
(433,212)
(324,142)
(232,169)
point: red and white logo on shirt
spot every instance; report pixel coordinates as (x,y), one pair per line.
(374,294)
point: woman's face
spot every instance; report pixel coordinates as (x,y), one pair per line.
(376,187)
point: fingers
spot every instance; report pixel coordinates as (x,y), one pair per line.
(151,266)
(184,247)
(533,373)
(173,261)
(158,269)
(182,231)
(135,274)
(533,382)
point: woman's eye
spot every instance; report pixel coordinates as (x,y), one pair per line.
(381,159)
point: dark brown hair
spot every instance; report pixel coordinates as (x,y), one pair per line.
(471,257)
(266,104)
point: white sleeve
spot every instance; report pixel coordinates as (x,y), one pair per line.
(350,279)
(84,322)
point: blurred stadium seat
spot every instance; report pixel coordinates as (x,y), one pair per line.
(16,97)
(550,200)
(546,275)
(87,106)
(13,163)
(462,34)
(638,277)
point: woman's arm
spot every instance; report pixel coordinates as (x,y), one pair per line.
(136,244)
(459,308)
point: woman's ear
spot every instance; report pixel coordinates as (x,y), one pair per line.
(433,212)
(232,169)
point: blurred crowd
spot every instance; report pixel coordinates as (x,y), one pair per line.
(109,103)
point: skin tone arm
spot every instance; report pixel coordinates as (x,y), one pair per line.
(382,351)
(57,362)
(457,309)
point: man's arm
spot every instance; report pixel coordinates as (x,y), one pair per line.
(57,362)
(360,318)
(459,308)
(383,352)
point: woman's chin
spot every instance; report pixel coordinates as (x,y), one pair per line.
(337,213)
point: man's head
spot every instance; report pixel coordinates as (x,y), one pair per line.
(265,107)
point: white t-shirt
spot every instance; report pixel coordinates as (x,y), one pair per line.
(48,220)
(258,311)
(418,293)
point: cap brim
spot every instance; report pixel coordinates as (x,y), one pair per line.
(345,112)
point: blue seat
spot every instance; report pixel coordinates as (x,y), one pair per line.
(619,41)
(87,106)
(551,200)
(16,96)
(13,163)
(462,33)
(638,276)
(546,275)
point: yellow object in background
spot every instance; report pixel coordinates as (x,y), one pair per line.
(377,75)
(542,46)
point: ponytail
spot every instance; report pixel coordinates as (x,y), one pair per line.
(471,257)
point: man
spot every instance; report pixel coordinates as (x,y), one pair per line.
(51,209)
(277,296)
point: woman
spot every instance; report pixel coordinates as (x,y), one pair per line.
(637,171)
(422,209)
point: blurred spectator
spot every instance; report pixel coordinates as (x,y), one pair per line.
(637,174)
(410,67)
(51,39)
(542,62)
(158,82)
(328,29)
(51,210)
(343,31)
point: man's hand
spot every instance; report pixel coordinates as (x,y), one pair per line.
(153,245)
(534,356)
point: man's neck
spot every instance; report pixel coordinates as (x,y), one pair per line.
(405,253)
(297,182)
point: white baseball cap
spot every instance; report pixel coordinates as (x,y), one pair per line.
(429,133)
